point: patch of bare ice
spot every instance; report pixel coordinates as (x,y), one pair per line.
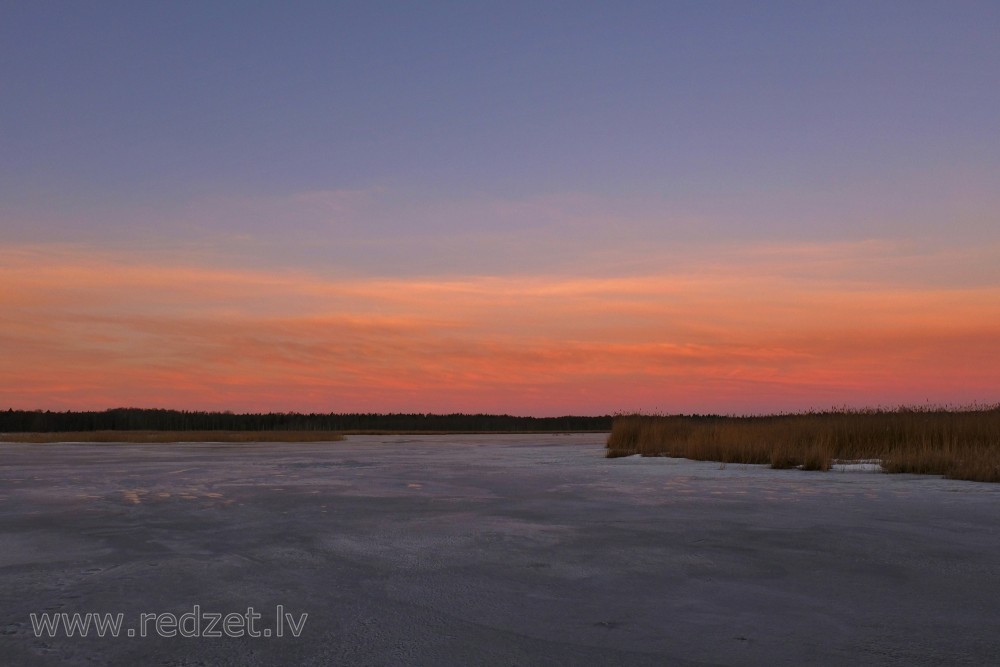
(857,465)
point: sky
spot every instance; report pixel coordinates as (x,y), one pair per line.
(534,208)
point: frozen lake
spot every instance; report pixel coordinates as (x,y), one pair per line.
(492,550)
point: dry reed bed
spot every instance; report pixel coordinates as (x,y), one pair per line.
(959,444)
(173,436)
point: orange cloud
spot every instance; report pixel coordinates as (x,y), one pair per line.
(759,332)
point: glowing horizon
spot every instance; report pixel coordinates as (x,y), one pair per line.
(95,331)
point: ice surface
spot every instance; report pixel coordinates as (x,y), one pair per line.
(496,550)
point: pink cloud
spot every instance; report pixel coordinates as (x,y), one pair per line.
(89,330)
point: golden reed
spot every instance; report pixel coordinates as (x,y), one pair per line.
(956,443)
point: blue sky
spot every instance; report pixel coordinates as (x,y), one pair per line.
(690,104)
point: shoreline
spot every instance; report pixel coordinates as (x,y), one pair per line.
(167,437)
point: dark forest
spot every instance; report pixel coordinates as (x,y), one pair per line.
(139,419)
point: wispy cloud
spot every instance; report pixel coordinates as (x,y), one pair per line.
(394,232)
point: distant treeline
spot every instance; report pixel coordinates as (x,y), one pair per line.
(138,419)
